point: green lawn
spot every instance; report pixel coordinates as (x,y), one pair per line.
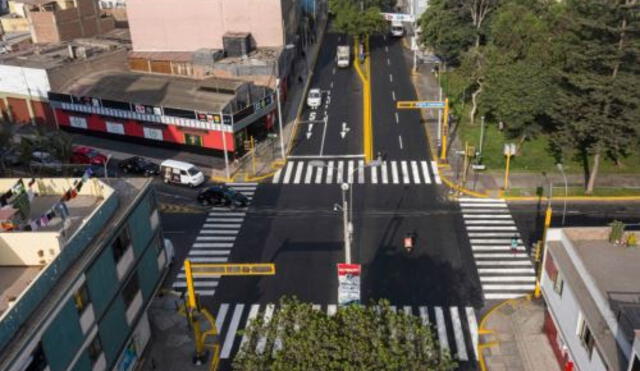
(534,156)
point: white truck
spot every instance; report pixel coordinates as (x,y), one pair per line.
(343,56)
(397,29)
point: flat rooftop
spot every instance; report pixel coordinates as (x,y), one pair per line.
(208,95)
(48,56)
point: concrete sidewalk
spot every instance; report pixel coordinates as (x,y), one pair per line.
(519,343)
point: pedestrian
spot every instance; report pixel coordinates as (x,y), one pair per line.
(514,244)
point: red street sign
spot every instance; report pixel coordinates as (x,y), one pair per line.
(344,269)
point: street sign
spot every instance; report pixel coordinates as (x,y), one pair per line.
(420,104)
(399,17)
(349,284)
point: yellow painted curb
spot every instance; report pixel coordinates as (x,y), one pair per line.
(248,178)
(458,188)
(221,179)
(482,330)
(573,198)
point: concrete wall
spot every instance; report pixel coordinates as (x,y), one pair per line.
(68,24)
(14,24)
(63,75)
(24,81)
(195,24)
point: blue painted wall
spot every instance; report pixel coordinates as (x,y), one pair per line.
(62,339)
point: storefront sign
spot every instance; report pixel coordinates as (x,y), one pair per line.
(150,133)
(78,122)
(349,284)
(115,127)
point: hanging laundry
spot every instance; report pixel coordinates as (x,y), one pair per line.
(61,210)
(31,182)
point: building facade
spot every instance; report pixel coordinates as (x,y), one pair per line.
(86,277)
(590,287)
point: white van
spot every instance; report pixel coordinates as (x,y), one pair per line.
(397,29)
(181,173)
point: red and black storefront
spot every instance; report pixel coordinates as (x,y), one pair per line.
(205,132)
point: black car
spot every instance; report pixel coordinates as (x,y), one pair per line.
(222,195)
(97,171)
(139,165)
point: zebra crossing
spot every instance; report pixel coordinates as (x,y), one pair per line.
(354,171)
(456,328)
(215,241)
(504,272)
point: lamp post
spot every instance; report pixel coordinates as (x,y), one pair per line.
(547,224)
(347,207)
(566,191)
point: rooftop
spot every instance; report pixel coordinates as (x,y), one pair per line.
(208,95)
(48,56)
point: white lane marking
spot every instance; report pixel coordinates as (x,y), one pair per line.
(508,287)
(388,62)
(339,178)
(316,307)
(442,330)
(483,216)
(287,172)
(215,245)
(350,172)
(491,228)
(222,313)
(253,313)
(499,296)
(309,174)
(374,175)
(397,118)
(330,172)
(507,279)
(425,172)
(225,220)
(231,332)
(268,314)
(215,238)
(209,252)
(415,171)
(209,260)
(434,167)
(386,49)
(299,168)
(424,315)
(499,222)
(473,205)
(405,172)
(394,172)
(227,213)
(390,78)
(485,263)
(304,157)
(489,255)
(201,283)
(481,200)
(222,232)
(492,241)
(276,176)
(473,328)
(361,170)
(331,309)
(324,132)
(504,248)
(393,94)
(331,84)
(400,141)
(334,71)
(407,310)
(205,292)
(393,308)
(319,175)
(505,271)
(458,334)
(492,234)
(221,225)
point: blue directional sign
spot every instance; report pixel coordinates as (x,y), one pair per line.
(421,104)
(426,104)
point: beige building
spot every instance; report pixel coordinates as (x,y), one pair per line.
(53,21)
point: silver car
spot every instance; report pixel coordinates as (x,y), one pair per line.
(314,99)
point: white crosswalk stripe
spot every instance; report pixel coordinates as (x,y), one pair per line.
(355,171)
(216,239)
(504,267)
(436,175)
(460,321)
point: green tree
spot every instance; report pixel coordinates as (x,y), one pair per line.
(356,337)
(447,30)
(354,19)
(597,107)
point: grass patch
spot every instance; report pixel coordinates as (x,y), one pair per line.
(534,155)
(572,192)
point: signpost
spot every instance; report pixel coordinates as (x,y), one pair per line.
(349,284)
(398,17)
(420,104)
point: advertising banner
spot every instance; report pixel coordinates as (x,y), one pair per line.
(349,284)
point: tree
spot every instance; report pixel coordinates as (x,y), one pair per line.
(446,28)
(353,19)
(598,106)
(356,337)
(478,11)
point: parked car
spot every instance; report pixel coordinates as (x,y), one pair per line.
(11,157)
(87,155)
(314,99)
(139,165)
(180,172)
(222,195)
(97,171)
(44,161)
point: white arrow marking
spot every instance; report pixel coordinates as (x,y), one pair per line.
(345,130)
(309,129)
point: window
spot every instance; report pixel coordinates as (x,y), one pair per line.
(130,289)
(121,244)
(94,349)
(585,335)
(81,298)
(193,171)
(37,361)
(558,283)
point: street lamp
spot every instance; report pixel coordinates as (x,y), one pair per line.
(286,47)
(347,214)
(547,224)
(566,191)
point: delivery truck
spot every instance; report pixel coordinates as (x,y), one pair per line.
(343,55)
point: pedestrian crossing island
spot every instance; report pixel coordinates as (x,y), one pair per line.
(405,172)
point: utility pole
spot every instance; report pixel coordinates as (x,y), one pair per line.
(224,146)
